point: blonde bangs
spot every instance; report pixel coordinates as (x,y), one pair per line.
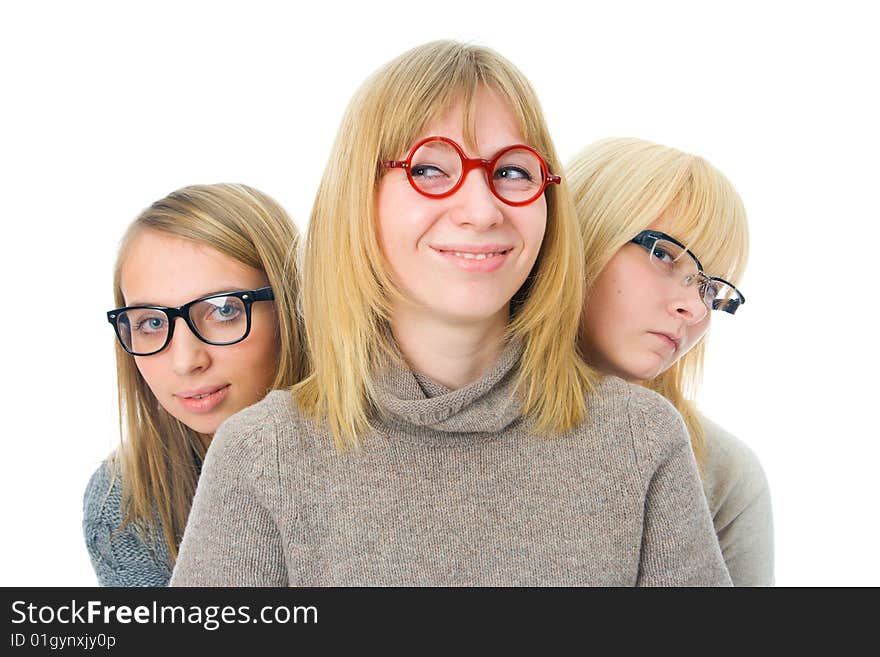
(708,217)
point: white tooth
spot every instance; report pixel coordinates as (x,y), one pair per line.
(474,256)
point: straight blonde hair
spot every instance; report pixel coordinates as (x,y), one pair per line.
(620,187)
(157,454)
(348,293)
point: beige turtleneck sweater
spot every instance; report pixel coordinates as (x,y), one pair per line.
(453,489)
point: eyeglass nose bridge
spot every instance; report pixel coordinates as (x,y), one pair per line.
(468,164)
(182,313)
(702,281)
(699,276)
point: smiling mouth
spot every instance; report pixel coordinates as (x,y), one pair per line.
(204,402)
(474,255)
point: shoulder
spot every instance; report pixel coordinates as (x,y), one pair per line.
(120,556)
(245,429)
(102,499)
(274,411)
(739,500)
(730,468)
(648,416)
(248,442)
(622,414)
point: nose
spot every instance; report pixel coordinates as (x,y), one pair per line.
(687,303)
(474,203)
(188,354)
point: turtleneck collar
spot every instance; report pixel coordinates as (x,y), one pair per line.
(416,404)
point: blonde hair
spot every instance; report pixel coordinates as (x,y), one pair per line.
(156,456)
(347,308)
(622,186)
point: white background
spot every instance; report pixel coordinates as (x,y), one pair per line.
(108,106)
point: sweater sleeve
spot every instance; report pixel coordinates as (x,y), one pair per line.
(739,500)
(679,546)
(120,558)
(231,538)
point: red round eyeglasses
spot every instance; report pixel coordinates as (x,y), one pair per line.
(437,166)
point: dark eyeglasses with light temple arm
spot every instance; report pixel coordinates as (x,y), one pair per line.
(671,257)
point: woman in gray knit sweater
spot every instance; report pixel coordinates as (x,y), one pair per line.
(448,433)
(219,258)
(648,309)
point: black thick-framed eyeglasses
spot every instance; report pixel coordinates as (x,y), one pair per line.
(672,257)
(216,319)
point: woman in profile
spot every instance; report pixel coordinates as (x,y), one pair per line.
(448,433)
(666,242)
(205,289)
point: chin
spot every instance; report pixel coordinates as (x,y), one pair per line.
(641,371)
(469,310)
(203,425)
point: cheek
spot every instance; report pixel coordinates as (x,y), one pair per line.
(611,302)
(532,224)
(400,218)
(694,335)
(257,358)
(154,371)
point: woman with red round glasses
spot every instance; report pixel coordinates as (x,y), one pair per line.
(448,433)
(205,288)
(665,233)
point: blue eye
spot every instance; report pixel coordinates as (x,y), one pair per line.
(427,171)
(150,325)
(512,173)
(227,312)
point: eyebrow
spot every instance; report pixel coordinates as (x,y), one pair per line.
(220,290)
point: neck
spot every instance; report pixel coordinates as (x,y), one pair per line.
(453,354)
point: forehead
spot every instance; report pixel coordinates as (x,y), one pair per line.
(166,270)
(482,127)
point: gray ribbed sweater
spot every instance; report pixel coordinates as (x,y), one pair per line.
(453,489)
(127,557)
(739,501)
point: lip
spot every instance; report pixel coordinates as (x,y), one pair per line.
(670,339)
(482,265)
(214,395)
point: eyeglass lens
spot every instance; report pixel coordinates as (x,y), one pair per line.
(677,263)
(217,319)
(436,167)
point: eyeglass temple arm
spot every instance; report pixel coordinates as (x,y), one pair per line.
(393,164)
(263,294)
(727,305)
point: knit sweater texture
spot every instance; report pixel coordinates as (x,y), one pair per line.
(739,501)
(130,557)
(734,483)
(452,488)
